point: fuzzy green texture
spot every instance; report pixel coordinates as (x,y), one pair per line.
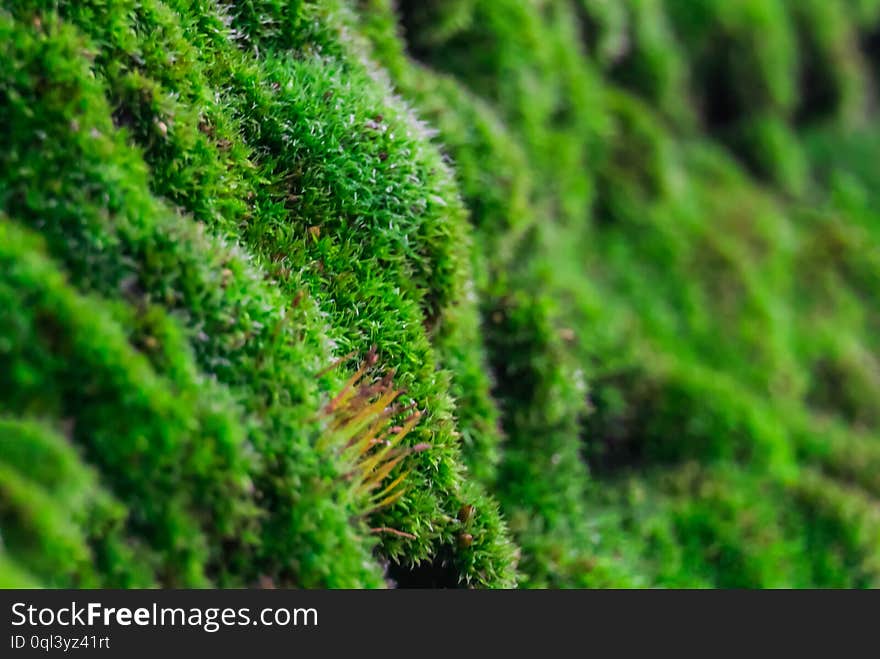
(624,256)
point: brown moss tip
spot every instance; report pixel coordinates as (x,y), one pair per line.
(366,425)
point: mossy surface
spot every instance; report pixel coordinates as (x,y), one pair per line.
(623,257)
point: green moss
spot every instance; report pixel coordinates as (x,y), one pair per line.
(622,256)
(232,317)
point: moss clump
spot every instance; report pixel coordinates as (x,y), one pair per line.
(622,256)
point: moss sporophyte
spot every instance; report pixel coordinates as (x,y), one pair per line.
(366,425)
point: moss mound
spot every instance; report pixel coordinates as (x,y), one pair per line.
(622,257)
